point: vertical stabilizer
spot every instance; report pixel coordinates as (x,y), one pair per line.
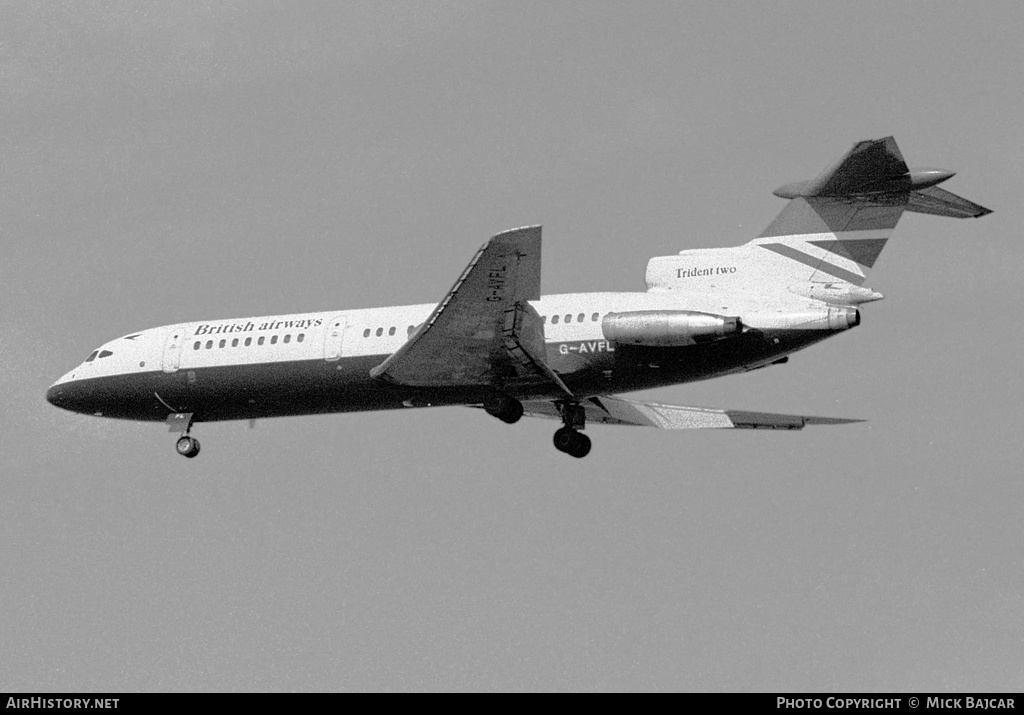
(829,235)
(836,224)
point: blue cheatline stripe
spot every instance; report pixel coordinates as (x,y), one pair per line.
(818,264)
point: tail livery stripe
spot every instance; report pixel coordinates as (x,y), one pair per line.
(816,263)
(862,250)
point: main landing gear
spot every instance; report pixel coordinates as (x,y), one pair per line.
(575,444)
(187,445)
(569,439)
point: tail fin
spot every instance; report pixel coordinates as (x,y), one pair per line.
(829,235)
(836,225)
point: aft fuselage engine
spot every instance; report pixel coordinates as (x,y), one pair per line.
(668,328)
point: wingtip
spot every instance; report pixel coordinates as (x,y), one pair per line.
(830,421)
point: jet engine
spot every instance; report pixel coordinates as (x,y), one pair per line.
(668,328)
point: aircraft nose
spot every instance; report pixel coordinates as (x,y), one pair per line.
(55,395)
(67,395)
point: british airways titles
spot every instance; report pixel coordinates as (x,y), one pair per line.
(206,329)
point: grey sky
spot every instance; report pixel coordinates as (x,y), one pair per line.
(180,161)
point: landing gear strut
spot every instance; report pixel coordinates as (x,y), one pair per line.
(181,422)
(569,439)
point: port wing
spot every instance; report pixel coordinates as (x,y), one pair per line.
(484,332)
(618,411)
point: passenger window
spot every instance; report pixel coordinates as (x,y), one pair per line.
(195,346)
(411,330)
(300,338)
(568,318)
(260,341)
(594,317)
(380,331)
(273,340)
(366,333)
(288,338)
(234,343)
(248,342)
(222,343)
(392,331)
(580,317)
(105,353)
(92,356)
(209,344)
(554,320)
(543,318)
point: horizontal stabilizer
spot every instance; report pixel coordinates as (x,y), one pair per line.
(869,166)
(940,202)
(619,411)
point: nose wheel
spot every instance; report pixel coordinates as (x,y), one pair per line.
(187,446)
(181,422)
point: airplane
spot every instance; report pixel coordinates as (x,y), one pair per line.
(495,343)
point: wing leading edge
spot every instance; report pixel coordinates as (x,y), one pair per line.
(618,411)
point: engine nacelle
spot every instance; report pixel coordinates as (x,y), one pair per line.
(833,317)
(668,328)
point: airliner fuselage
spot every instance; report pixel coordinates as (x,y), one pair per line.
(314,363)
(494,342)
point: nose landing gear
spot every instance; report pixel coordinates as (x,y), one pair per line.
(181,422)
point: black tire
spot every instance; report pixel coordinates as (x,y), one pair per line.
(187,446)
(515,412)
(564,439)
(506,408)
(581,446)
(184,446)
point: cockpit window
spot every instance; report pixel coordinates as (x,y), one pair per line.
(92,356)
(105,353)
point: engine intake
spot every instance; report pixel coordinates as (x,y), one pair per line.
(668,328)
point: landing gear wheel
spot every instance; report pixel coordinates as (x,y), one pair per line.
(505,407)
(187,446)
(581,446)
(563,439)
(572,442)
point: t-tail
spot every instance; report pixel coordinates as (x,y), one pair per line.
(830,234)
